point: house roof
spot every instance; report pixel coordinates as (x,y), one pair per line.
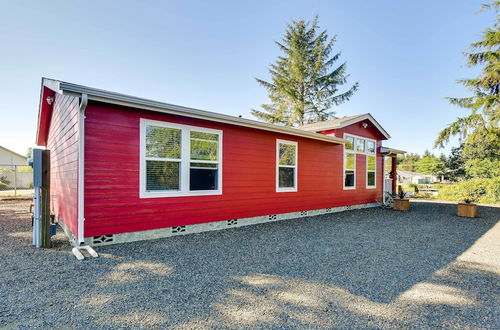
(13,152)
(412,174)
(101,95)
(343,122)
(389,150)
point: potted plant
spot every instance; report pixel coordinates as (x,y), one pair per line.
(467,208)
(401,203)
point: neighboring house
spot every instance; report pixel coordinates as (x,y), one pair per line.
(125,168)
(407,177)
(9,157)
(15,175)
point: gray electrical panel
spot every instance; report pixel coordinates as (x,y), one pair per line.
(37,167)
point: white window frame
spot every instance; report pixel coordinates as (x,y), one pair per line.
(368,171)
(356,152)
(357,137)
(185,161)
(348,151)
(296,166)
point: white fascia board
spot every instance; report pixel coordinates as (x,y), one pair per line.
(132,101)
(365,117)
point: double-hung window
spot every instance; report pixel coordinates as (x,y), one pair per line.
(286,166)
(179,160)
(349,163)
(371,170)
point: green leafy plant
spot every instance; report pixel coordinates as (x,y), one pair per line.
(401,194)
(475,190)
(3,179)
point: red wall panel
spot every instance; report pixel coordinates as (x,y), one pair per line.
(62,143)
(112,203)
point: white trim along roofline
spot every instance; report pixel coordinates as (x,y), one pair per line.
(141,103)
(327,125)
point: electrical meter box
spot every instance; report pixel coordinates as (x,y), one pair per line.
(37,167)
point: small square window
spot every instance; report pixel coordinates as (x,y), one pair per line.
(162,175)
(350,143)
(371,179)
(370,147)
(349,179)
(360,145)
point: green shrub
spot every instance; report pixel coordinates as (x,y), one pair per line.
(492,191)
(3,186)
(3,179)
(476,190)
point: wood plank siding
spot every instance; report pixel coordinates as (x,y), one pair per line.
(62,142)
(112,156)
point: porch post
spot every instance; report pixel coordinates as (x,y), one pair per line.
(394,173)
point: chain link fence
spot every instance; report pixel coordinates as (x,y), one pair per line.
(16,181)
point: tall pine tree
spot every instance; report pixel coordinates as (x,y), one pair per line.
(484,104)
(303,86)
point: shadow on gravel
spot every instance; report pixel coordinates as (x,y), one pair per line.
(360,268)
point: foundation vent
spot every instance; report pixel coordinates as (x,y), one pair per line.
(348,207)
(303,213)
(328,210)
(232,222)
(96,240)
(178,229)
(272,217)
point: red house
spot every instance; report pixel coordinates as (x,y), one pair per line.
(123,168)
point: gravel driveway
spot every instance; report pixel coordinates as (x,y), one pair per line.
(371,268)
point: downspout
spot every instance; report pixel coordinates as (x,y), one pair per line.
(81,166)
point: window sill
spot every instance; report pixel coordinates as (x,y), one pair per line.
(278,190)
(349,188)
(144,194)
(371,187)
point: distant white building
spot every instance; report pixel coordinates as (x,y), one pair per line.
(416,178)
(9,157)
(14,169)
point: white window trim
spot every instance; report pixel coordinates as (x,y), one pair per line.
(296,167)
(185,161)
(356,137)
(355,152)
(375,171)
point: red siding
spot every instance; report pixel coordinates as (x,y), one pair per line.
(63,145)
(112,203)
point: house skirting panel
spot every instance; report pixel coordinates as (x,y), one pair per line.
(211,226)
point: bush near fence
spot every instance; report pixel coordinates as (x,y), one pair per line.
(16,177)
(477,190)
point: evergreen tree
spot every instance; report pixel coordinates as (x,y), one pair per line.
(484,104)
(303,86)
(455,164)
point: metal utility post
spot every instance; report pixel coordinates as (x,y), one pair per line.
(41,184)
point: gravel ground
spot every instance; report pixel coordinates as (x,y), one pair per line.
(371,268)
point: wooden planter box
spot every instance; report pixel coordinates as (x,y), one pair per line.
(401,204)
(467,210)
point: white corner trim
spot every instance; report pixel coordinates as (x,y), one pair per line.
(295,167)
(185,161)
(81,167)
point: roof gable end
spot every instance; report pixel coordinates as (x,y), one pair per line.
(344,122)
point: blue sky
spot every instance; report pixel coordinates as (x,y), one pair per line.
(406,55)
